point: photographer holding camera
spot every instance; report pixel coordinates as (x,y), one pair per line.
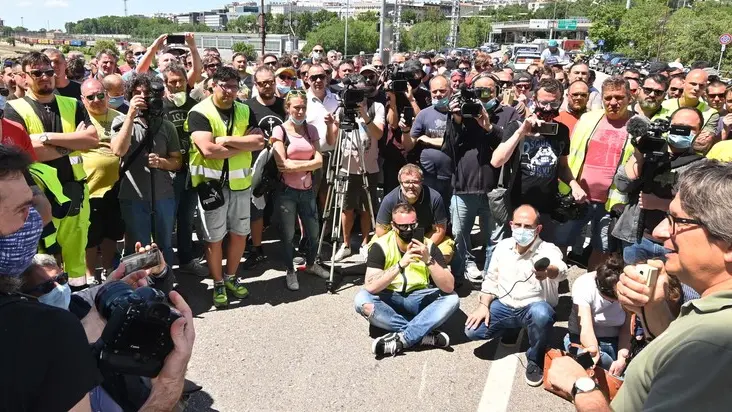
(149,148)
(650,181)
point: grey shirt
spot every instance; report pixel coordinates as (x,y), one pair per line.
(135,183)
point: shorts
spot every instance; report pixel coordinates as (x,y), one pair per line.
(232,217)
(105,219)
(257,213)
(356,197)
(320,176)
(599,220)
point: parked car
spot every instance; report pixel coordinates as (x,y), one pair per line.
(605,60)
(523,59)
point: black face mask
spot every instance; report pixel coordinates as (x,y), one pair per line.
(405,235)
(415,83)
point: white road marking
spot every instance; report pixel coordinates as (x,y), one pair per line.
(423,383)
(499,383)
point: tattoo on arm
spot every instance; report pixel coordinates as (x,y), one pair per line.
(388,273)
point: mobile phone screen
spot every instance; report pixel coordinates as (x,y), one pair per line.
(175,39)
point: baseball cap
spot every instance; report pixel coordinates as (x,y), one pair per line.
(286,70)
(553,43)
(522,77)
(676,65)
(368,68)
(657,67)
(551,61)
(439,58)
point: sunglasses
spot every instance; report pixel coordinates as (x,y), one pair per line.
(317,77)
(407,226)
(319,51)
(140,53)
(271,63)
(552,105)
(38,73)
(99,96)
(303,74)
(297,92)
(213,66)
(266,83)
(523,86)
(287,78)
(650,91)
(4,92)
(378,67)
(716,96)
(49,285)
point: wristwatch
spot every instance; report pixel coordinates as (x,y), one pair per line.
(43,138)
(583,385)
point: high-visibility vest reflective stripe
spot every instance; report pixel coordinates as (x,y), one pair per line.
(579,144)
(416,276)
(33,125)
(46,178)
(202,169)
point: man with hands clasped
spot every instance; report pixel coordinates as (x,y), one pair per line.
(398,273)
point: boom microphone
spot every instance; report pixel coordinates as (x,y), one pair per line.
(638,126)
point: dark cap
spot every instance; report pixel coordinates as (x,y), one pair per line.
(657,67)
(522,77)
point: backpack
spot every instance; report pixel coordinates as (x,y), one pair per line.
(270,175)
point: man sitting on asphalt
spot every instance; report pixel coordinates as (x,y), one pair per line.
(427,202)
(397,296)
(519,291)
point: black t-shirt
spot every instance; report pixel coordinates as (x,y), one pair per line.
(539,167)
(73,89)
(267,117)
(46,361)
(430,208)
(377,258)
(51,119)
(197,122)
(177,116)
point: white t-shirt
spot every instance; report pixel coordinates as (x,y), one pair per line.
(316,112)
(608,316)
(370,146)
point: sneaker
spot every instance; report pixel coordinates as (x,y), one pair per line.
(472,273)
(511,337)
(318,270)
(220,300)
(437,339)
(343,252)
(255,258)
(389,344)
(234,285)
(291,280)
(364,252)
(195,267)
(534,374)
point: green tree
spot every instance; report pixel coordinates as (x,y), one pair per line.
(433,14)
(606,19)
(429,35)
(323,16)
(361,36)
(371,16)
(641,29)
(693,34)
(105,45)
(305,24)
(409,16)
(245,48)
(473,32)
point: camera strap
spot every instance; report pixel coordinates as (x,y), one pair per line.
(142,146)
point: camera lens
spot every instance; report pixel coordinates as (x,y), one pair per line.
(158,311)
(110,296)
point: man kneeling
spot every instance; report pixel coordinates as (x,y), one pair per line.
(396,288)
(520,290)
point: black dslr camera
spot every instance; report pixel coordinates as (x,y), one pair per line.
(154,100)
(470,105)
(566,209)
(351,98)
(651,142)
(399,79)
(136,339)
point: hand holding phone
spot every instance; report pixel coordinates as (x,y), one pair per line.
(175,39)
(142,260)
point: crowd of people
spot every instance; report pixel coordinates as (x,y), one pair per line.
(164,146)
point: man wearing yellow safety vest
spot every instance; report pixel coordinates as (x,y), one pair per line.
(221,154)
(398,272)
(599,145)
(60,129)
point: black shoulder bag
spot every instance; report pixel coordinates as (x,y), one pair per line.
(271,175)
(210,192)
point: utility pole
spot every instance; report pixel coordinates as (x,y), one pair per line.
(345,41)
(382,30)
(262,25)
(125,1)
(397,25)
(454,24)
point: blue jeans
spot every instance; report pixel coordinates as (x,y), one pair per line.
(186,202)
(464,208)
(608,349)
(442,186)
(138,224)
(537,318)
(640,252)
(599,220)
(427,309)
(291,203)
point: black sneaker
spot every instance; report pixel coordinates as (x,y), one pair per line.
(511,337)
(389,344)
(534,374)
(437,339)
(255,258)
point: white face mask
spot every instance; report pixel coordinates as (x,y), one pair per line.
(427,69)
(179,99)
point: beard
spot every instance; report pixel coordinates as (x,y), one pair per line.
(644,104)
(44,90)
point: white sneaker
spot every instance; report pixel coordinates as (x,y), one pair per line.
(343,252)
(291,279)
(194,267)
(318,270)
(364,251)
(473,273)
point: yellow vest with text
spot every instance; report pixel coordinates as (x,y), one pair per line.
(46,178)
(203,169)
(578,146)
(416,276)
(67,109)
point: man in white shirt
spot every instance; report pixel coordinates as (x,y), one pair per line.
(516,293)
(552,50)
(322,104)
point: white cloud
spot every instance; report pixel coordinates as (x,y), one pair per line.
(56,3)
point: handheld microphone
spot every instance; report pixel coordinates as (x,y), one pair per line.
(542,263)
(638,126)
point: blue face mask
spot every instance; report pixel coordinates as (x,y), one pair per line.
(59,297)
(17,249)
(523,236)
(115,102)
(490,105)
(440,104)
(680,141)
(283,89)
(3,100)
(297,122)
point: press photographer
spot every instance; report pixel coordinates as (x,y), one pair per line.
(662,151)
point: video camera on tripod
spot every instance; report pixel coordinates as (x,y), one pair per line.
(351,98)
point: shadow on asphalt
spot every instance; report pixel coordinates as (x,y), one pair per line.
(200,401)
(489,350)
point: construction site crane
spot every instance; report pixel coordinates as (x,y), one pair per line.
(454,24)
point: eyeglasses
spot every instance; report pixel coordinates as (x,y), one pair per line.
(47,286)
(317,77)
(506,83)
(650,91)
(673,220)
(212,66)
(715,96)
(265,83)
(552,105)
(329,72)
(287,78)
(140,53)
(411,182)
(303,74)
(271,63)
(378,67)
(318,51)
(100,96)
(228,87)
(4,92)
(406,226)
(38,73)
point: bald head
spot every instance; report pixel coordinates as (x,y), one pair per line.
(97,105)
(114,85)
(695,85)
(526,215)
(91,85)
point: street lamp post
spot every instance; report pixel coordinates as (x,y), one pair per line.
(345,40)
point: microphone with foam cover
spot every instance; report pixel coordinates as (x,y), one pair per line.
(542,264)
(638,126)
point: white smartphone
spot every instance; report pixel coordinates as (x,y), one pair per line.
(649,273)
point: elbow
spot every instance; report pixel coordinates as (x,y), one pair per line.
(118,151)
(497,161)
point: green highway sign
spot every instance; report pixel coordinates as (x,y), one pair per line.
(567,24)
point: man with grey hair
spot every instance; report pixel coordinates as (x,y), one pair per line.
(697,236)
(64,86)
(107,63)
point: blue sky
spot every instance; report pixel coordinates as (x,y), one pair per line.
(37,13)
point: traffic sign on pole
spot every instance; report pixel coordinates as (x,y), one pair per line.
(567,24)
(725,39)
